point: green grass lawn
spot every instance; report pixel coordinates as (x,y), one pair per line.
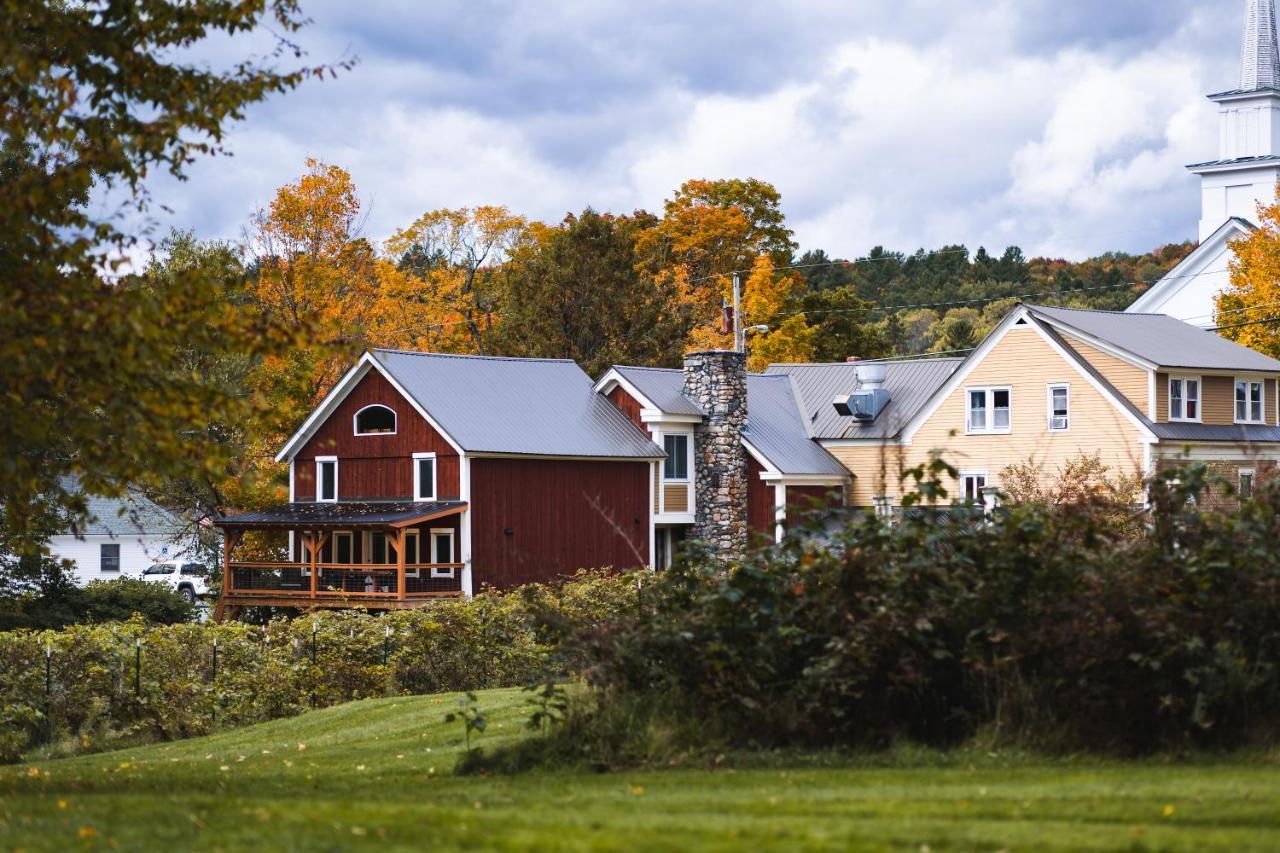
(377,774)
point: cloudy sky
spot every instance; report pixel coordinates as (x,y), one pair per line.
(1058,125)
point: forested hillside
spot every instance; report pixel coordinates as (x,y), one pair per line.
(948,298)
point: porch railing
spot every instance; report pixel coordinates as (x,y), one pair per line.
(342,580)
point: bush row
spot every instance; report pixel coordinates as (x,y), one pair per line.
(1054,627)
(103,684)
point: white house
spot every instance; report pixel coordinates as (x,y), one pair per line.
(1231,186)
(121,538)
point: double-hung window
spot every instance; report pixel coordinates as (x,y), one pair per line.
(327,479)
(109,558)
(1249,402)
(676,466)
(1059,408)
(987,410)
(424,476)
(1184,398)
(972,483)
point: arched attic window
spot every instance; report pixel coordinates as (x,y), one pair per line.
(375,420)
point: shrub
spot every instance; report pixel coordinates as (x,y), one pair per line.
(1052,626)
(98,696)
(120,598)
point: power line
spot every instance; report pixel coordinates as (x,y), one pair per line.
(1247,323)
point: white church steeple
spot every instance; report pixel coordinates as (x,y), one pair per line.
(1248,163)
(1232,186)
(1260,58)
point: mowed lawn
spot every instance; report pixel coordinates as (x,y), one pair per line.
(377,774)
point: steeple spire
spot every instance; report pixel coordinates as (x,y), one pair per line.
(1260,59)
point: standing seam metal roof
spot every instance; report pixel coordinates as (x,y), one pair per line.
(656,385)
(909,383)
(774,425)
(538,407)
(1159,339)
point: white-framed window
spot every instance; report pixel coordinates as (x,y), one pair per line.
(1250,406)
(987,410)
(411,545)
(1184,398)
(1059,407)
(424,476)
(442,551)
(971,485)
(377,550)
(375,419)
(109,557)
(676,465)
(1245,481)
(327,479)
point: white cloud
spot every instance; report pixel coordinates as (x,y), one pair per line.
(983,122)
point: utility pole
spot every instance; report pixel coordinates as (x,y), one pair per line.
(737,320)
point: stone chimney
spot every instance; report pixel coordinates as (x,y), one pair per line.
(717,381)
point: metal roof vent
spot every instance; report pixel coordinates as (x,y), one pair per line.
(868,401)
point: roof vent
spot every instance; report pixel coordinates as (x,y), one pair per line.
(868,401)
(870,376)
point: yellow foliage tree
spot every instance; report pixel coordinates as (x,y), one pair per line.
(708,230)
(316,276)
(766,294)
(459,257)
(1253,297)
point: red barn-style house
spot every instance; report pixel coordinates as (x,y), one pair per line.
(422,476)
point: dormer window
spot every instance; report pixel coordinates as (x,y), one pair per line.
(1249,401)
(375,420)
(1184,398)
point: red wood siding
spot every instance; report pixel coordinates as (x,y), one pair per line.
(805,500)
(628,405)
(555,529)
(375,466)
(759,502)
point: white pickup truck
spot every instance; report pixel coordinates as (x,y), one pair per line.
(188,579)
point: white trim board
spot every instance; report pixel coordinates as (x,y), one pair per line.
(339,393)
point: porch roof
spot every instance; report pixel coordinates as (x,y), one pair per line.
(310,514)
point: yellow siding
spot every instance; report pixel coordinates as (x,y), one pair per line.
(1218,394)
(1129,379)
(1025,363)
(677,497)
(1217,399)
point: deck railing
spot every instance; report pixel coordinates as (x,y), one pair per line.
(341,580)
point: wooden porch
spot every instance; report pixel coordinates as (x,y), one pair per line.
(319,579)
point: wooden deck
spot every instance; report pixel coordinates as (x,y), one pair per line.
(311,586)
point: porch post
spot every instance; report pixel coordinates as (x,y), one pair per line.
(228,583)
(400,537)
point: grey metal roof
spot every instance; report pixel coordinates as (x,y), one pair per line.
(1261,159)
(656,384)
(347,513)
(1158,339)
(1236,433)
(774,425)
(540,407)
(776,429)
(910,383)
(131,515)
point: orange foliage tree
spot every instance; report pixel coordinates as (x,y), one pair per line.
(1252,300)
